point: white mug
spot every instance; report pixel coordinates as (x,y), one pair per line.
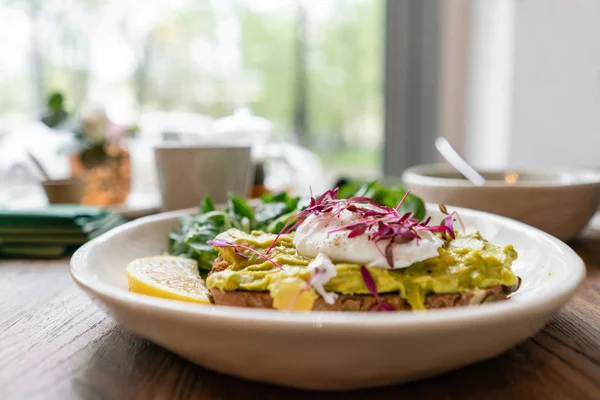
(187,173)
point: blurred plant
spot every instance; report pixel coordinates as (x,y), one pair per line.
(101,160)
(55,113)
(95,133)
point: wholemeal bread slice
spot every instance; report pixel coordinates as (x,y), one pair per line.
(358,302)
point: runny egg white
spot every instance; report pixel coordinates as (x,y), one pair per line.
(313,237)
(322,270)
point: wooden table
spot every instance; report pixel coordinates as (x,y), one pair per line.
(56,344)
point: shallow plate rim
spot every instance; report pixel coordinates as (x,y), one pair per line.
(453,317)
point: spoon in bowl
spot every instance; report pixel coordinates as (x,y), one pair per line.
(39,166)
(459,163)
(59,191)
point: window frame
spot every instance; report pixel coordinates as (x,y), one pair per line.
(412,83)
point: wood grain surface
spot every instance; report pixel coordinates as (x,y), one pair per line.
(56,344)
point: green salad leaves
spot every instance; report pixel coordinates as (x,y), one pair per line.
(269,214)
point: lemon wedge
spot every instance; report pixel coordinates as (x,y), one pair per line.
(168,277)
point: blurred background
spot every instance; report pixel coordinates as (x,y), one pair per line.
(341,88)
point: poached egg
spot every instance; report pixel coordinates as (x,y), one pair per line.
(313,237)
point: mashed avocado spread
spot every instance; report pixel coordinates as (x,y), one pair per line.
(467,262)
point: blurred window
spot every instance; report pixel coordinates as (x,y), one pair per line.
(313,67)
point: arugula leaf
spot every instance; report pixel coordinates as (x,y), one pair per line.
(268,211)
(291,202)
(207,204)
(349,189)
(276,225)
(238,208)
(415,205)
(367,189)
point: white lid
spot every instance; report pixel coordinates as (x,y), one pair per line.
(243,125)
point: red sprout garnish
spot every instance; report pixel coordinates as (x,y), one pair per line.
(325,203)
(448,222)
(218,242)
(377,221)
(402,200)
(328,202)
(369,281)
(372,287)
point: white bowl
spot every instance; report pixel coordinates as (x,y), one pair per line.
(558,201)
(332,350)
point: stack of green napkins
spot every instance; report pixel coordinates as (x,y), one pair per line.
(52,231)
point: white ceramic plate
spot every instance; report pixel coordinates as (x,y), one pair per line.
(322,350)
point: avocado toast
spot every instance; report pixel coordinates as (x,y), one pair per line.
(353,255)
